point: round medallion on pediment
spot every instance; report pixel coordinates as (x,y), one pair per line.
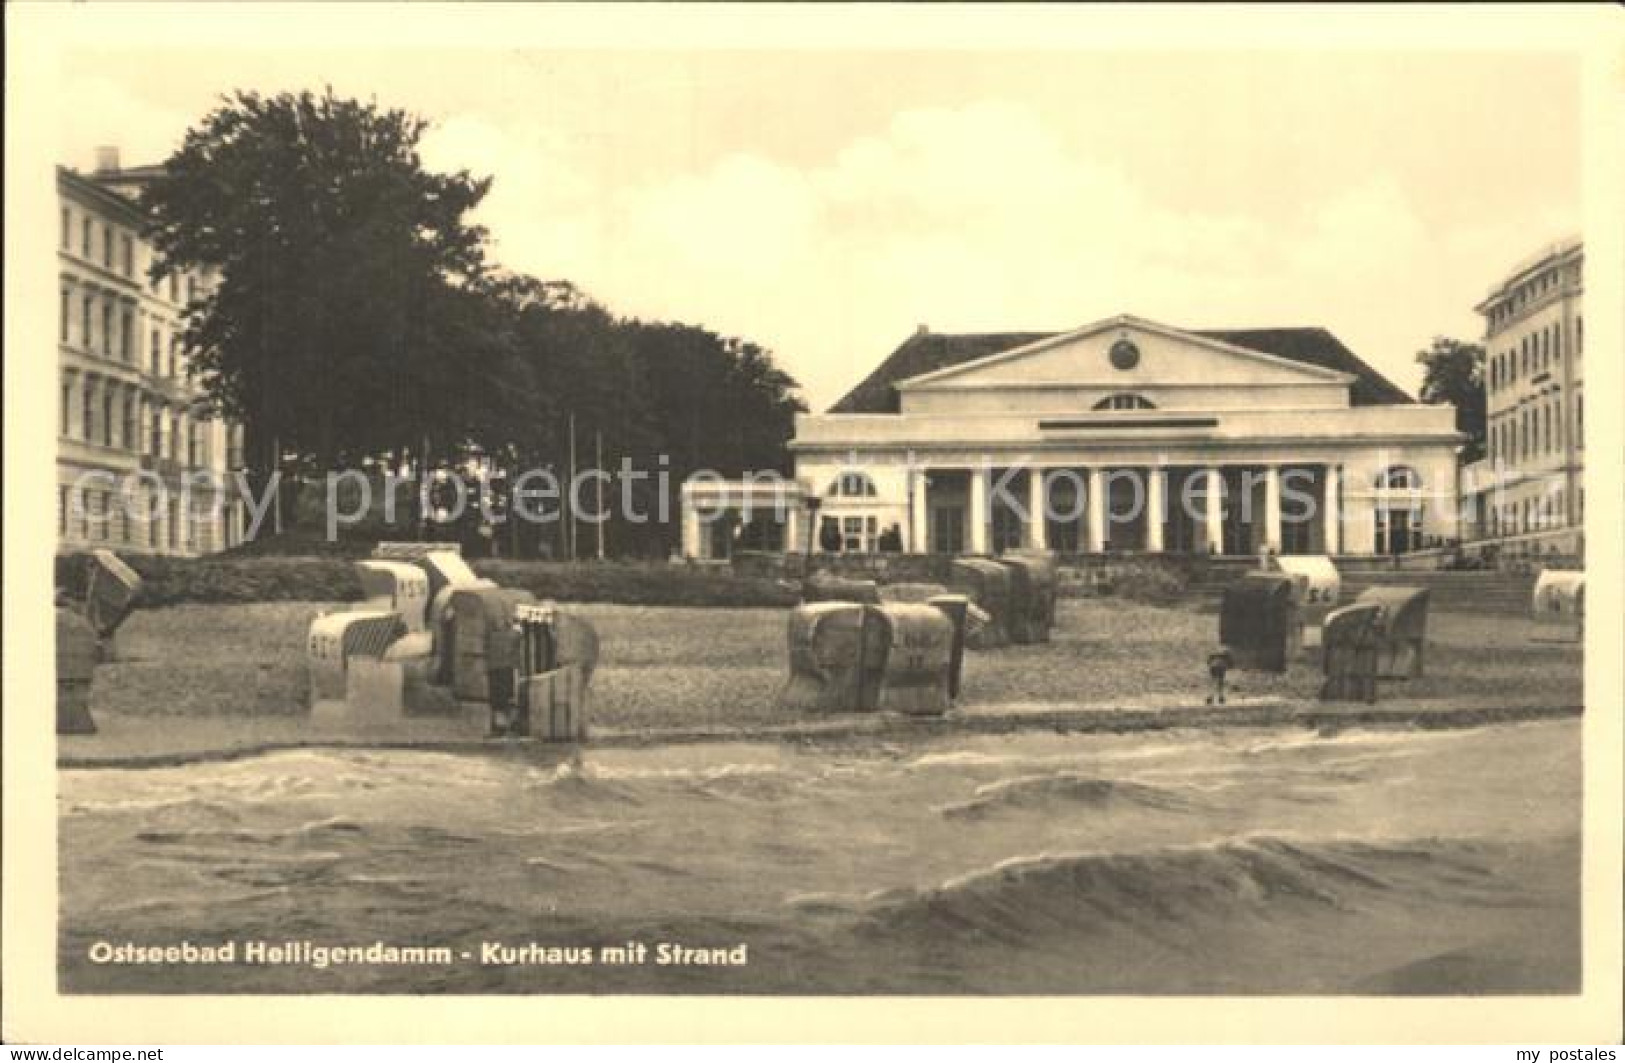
(1124,354)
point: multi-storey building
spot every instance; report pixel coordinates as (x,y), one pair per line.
(139,467)
(1527,496)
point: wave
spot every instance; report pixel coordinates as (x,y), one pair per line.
(1029,792)
(298,832)
(589,784)
(1024,899)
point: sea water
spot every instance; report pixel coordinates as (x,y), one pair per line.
(1227,861)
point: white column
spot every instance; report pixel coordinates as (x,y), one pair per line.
(792,529)
(1155,485)
(1097,511)
(978,515)
(1331,517)
(691,529)
(1037,505)
(1272,508)
(919,531)
(1214,512)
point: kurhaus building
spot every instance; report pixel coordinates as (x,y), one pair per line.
(1121,436)
(137,463)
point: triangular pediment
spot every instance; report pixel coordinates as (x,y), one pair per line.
(1126,353)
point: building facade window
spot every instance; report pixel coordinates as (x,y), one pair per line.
(1399,478)
(66,412)
(107,245)
(62,326)
(174,353)
(156,352)
(127,337)
(858,534)
(131,438)
(129,257)
(107,329)
(85,229)
(87,415)
(85,319)
(67,228)
(107,418)
(93,515)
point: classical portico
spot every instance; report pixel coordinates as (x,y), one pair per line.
(1127,436)
(1075,507)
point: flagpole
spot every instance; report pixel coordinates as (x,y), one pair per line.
(569,490)
(599,479)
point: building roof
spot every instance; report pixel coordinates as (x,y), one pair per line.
(88,187)
(926,352)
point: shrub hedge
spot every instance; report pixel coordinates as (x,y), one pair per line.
(227,580)
(1148,581)
(641,583)
(204,581)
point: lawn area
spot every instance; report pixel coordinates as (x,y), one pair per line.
(679,667)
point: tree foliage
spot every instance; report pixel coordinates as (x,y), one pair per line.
(347,313)
(1454,373)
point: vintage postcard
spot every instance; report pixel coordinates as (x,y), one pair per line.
(812,524)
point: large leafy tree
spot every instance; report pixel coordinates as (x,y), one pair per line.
(354,317)
(1453,372)
(670,397)
(352,312)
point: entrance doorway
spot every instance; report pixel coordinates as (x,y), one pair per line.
(1125,509)
(1399,529)
(1184,523)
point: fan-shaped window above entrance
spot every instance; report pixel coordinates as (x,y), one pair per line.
(1399,478)
(1125,401)
(852,485)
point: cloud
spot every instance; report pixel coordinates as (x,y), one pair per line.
(102,111)
(975,218)
(978,217)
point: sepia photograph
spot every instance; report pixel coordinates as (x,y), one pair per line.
(660,518)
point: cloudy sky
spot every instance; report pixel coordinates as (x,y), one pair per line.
(825,204)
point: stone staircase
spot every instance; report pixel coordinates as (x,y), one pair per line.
(1502,593)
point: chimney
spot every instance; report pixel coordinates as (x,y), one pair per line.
(107,159)
(922,330)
